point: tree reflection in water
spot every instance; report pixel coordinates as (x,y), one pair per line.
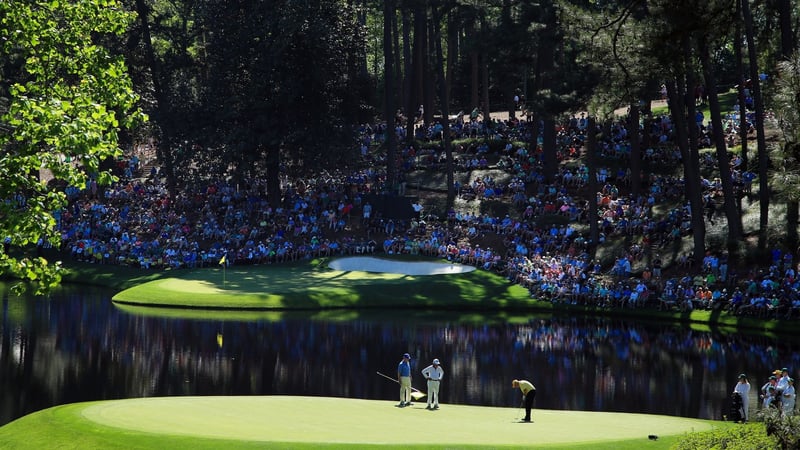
(77,346)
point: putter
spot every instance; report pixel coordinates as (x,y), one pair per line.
(416,394)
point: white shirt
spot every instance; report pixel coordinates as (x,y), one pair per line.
(783,383)
(789,394)
(743,389)
(433,372)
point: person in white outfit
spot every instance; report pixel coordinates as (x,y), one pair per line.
(743,389)
(434,374)
(789,396)
(783,381)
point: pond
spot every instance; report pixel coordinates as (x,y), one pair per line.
(75,345)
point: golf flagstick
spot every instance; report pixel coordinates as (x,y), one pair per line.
(416,394)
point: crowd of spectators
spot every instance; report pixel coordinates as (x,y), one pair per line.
(137,222)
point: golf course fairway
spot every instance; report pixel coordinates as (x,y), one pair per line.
(311,422)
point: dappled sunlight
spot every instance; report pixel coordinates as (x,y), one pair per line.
(315,286)
(352,275)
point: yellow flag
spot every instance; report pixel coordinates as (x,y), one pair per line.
(222,260)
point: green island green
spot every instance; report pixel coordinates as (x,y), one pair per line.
(277,291)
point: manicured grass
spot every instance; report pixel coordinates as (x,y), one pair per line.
(312,285)
(727,102)
(310,422)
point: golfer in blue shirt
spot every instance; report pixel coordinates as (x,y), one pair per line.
(404,378)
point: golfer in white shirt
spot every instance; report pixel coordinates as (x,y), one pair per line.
(434,374)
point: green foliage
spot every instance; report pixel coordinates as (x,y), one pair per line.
(786,96)
(786,430)
(611,44)
(786,177)
(745,437)
(68,97)
(771,431)
(281,77)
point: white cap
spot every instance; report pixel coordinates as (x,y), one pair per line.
(435,361)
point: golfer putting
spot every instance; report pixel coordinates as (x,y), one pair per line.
(528,394)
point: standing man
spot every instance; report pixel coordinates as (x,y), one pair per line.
(528,394)
(769,385)
(783,381)
(404,378)
(788,398)
(367,211)
(743,389)
(433,374)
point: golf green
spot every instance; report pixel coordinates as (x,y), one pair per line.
(343,422)
(316,285)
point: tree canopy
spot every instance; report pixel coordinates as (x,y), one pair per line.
(66,99)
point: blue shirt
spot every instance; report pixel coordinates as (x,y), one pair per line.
(404,369)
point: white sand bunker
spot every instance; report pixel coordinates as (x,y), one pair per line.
(369,264)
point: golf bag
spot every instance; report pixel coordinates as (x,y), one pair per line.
(736,414)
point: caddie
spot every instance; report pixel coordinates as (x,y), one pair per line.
(404,378)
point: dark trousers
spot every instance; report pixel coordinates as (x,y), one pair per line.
(529,403)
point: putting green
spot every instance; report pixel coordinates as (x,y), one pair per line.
(313,285)
(342,420)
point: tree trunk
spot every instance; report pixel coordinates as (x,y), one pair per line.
(761,142)
(474,64)
(161,114)
(549,150)
(533,124)
(693,184)
(408,81)
(363,68)
(485,107)
(444,90)
(419,58)
(788,43)
(389,113)
(273,160)
(545,65)
(429,88)
(647,111)
(731,213)
(474,79)
(737,50)
(636,150)
(676,91)
(592,185)
(398,66)
(787,48)
(452,53)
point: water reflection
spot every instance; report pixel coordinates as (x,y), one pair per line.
(76,346)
